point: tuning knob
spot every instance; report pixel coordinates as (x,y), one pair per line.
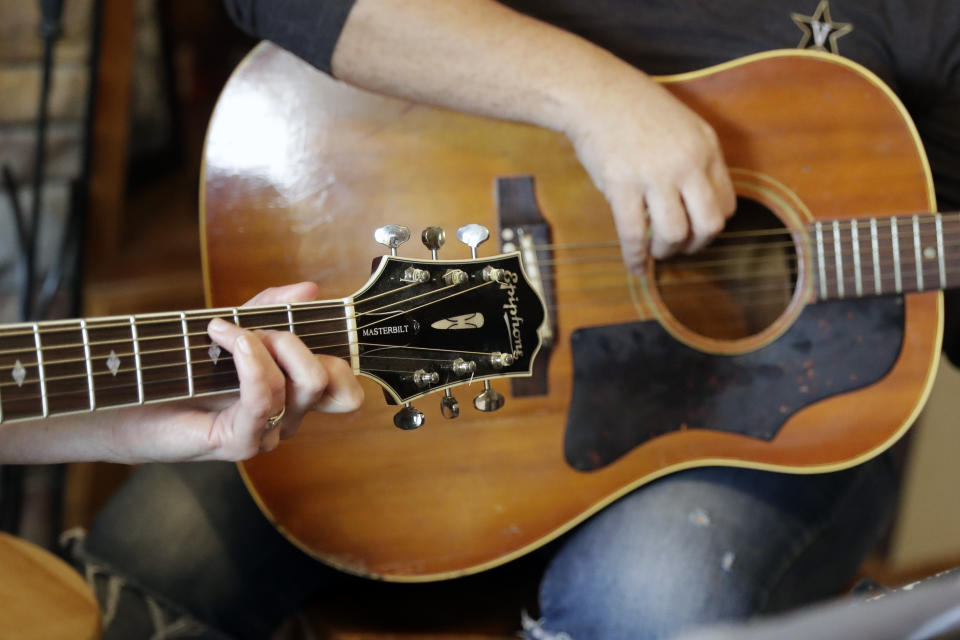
(488,400)
(433,238)
(461,367)
(392,236)
(473,235)
(500,360)
(423,378)
(408,418)
(449,407)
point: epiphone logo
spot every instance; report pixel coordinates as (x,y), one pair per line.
(510,316)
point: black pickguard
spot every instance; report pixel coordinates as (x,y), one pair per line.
(634,381)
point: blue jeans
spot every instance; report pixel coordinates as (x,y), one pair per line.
(710,545)
(185,545)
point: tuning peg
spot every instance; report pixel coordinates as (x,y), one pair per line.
(408,418)
(500,360)
(449,407)
(473,235)
(423,378)
(433,238)
(461,367)
(488,400)
(392,236)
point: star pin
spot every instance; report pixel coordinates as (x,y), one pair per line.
(820,29)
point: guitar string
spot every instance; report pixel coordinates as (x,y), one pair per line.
(123,322)
(906,260)
(930,273)
(779,289)
(200,378)
(178,365)
(886,278)
(906,247)
(283,308)
(226,357)
(665,293)
(179,350)
(904,221)
(180,335)
(405,311)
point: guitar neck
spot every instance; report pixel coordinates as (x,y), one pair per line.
(885,256)
(69,366)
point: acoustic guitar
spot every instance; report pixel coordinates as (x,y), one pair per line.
(805,339)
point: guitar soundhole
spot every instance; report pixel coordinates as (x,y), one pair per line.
(740,284)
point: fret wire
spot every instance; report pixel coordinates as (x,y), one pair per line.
(186,348)
(89,363)
(857,275)
(136,358)
(821,261)
(940,258)
(875,245)
(290,318)
(40,372)
(916,253)
(838,259)
(353,339)
(895,243)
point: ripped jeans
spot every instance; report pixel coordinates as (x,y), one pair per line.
(181,551)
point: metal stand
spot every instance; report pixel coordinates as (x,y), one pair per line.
(67,268)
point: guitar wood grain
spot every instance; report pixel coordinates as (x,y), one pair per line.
(299,171)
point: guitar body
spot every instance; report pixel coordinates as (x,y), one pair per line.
(299,171)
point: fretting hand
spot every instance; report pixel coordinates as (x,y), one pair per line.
(280,381)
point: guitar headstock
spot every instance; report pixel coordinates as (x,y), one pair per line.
(423,326)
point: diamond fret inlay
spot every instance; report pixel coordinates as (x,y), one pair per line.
(19,373)
(113,362)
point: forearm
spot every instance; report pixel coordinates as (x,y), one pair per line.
(81,437)
(478,56)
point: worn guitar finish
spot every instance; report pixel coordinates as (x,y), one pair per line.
(299,167)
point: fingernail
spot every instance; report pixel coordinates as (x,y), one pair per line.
(218,325)
(243,343)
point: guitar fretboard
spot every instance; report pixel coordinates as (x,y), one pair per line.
(61,367)
(885,256)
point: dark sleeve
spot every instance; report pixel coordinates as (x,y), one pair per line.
(929,52)
(307,28)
